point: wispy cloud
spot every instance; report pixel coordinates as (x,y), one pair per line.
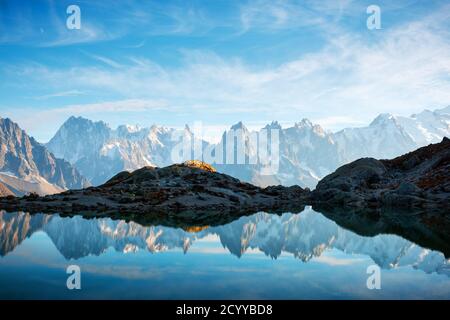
(266,15)
(44,25)
(69,93)
(350,79)
(334,123)
(87,34)
(403,70)
(131,105)
(105,60)
(44,123)
(137,45)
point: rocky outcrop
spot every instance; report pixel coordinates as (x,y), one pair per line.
(200,164)
(192,187)
(417,179)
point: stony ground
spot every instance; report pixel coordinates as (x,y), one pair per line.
(193,186)
(417,179)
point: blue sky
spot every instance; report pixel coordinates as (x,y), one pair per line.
(219,62)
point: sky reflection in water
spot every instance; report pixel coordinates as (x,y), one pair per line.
(262,256)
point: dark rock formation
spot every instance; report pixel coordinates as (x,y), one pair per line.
(430,229)
(417,179)
(193,187)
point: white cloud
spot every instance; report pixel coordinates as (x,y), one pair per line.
(105,60)
(275,15)
(350,80)
(69,93)
(88,33)
(44,123)
(334,123)
(131,105)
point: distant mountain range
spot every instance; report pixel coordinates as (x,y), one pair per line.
(100,152)
(84,152)
(307,152)
(389,136)
(27,166)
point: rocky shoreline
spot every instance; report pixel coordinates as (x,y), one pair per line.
(193,188)
(419,180)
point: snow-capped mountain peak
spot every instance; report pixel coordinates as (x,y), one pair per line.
(306,151)
(239,126)
(304,123)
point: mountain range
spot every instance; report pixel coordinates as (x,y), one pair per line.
(84,152)
(307,152)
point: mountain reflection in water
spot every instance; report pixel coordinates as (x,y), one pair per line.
(307,236)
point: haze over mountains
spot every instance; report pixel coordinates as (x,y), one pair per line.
(84,152)
(306,151)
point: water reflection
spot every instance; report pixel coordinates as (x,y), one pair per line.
(306,235)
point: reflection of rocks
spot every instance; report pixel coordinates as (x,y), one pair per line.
(429,229)
(305,235)
(192,190)
(418,179)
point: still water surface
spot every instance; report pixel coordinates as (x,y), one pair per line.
(262,256)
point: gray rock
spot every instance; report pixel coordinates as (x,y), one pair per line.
(418,179)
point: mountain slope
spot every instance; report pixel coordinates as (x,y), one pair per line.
(100,152)
(383,138)
(27,166)
(307,152)
(29,184)
(4,191)
(389,136)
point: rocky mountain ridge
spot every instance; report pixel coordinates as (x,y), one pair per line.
(307,152)
(27,166)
